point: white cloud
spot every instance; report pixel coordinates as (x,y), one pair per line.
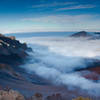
(56,59)
(55,23)
(60,18)
(53,4)
(67,22)
(77,7)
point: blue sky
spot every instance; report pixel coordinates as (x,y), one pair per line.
(49,15)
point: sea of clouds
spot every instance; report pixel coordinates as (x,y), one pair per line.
(56,59)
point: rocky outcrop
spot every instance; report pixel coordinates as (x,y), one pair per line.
(11,50)
(55,97)
(12,54)
(14,95)
(37,96)
(10,95)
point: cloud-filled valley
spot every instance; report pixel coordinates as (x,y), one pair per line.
(56,59)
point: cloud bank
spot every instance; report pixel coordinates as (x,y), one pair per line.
(57,58)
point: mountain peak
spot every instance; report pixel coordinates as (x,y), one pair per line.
(81,34)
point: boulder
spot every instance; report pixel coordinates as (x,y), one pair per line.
(54,97)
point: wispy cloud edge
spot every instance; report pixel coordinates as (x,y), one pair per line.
(76,7)
(53,4)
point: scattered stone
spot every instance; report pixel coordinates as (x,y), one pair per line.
(37,96)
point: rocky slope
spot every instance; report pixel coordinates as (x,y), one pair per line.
(11,50)
(14,95)
(12,55)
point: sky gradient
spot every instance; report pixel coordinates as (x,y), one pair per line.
(49,15)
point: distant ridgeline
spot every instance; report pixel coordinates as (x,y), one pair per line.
(56,34)
(95,35)
(81,34)
(41,34)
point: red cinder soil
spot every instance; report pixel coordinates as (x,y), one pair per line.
(94,73)
(92,76)
(95,69)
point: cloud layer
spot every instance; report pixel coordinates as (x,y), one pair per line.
(57,58)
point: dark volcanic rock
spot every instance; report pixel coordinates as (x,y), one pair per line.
(12,54)
(11,50)
(81,34)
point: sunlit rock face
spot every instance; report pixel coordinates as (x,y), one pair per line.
(10,95)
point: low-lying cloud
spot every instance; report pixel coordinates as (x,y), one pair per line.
(57,58)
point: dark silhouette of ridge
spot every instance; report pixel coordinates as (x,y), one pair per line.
(81,34)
